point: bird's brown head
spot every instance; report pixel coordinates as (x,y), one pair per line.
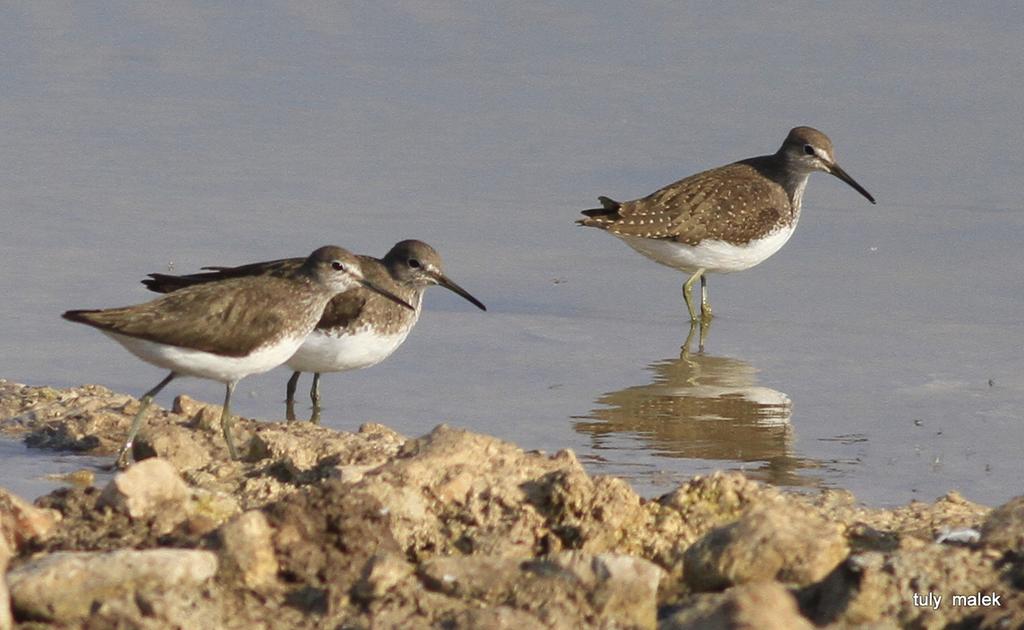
(806,149)
(339,270)
(413,263)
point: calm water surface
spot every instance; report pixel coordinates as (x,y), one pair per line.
(879,351)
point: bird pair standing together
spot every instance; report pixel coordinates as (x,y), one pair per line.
(330,312)
(231,322)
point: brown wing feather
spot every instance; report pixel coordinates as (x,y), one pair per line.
(733,203)
(231,318)
(344,309)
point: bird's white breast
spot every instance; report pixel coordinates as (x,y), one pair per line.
(324,352)
(189,362)
(711,255)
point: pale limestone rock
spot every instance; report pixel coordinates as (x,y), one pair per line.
(624,588)
(785,542)
(383,572)
(20,521)
(1004,527)
(6,622)
(147,487)
(875,587)
(65,586)
(247,547)
(754,606)
(561,591)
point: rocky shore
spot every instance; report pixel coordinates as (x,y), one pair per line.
(317,528)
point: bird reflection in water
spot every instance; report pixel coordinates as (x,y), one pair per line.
(709,408)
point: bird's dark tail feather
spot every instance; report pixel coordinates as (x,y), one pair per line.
(80,316)
(166,283)
(609,208)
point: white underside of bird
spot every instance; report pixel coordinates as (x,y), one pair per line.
(202,364)
(711,255)
(325,352)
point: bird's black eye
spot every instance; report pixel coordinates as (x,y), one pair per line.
(415,264)
(337,265)
(808,149)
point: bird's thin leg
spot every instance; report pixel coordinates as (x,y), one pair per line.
(687,288)
(124,455)
(289,403)
(225,420)
(685,348)
(314,395)
(705,305)
(704,327)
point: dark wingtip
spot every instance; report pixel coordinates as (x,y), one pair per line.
(77,316)
(609,207)
(161,283)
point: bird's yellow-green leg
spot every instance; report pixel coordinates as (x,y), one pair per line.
(225,421)
(289,401)
(705,305)
(685,348)
(687,288)
(704,327)
(124,456)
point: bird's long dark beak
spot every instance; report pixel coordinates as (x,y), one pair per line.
(389,295)
(843,175)
(447,283)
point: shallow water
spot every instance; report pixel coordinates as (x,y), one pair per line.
(144,139)
(29,473)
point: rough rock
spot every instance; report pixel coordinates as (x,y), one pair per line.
(67,586)
(623,589)
(754,606)
(1004,527)
(175,444)
(382,573)
(788,543)
(21,522)
(881,530)
(874,587)
(481,495)
(460,530)
(77,419)
(709,501)
(145,488)
(568,590)
(247,547)
(6,551)
(323,539)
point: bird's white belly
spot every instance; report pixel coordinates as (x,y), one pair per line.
(189,362)
(713,256)
(323,352)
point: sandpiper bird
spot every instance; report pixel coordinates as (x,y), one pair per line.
(227,330)
(726,219)
(358,329)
